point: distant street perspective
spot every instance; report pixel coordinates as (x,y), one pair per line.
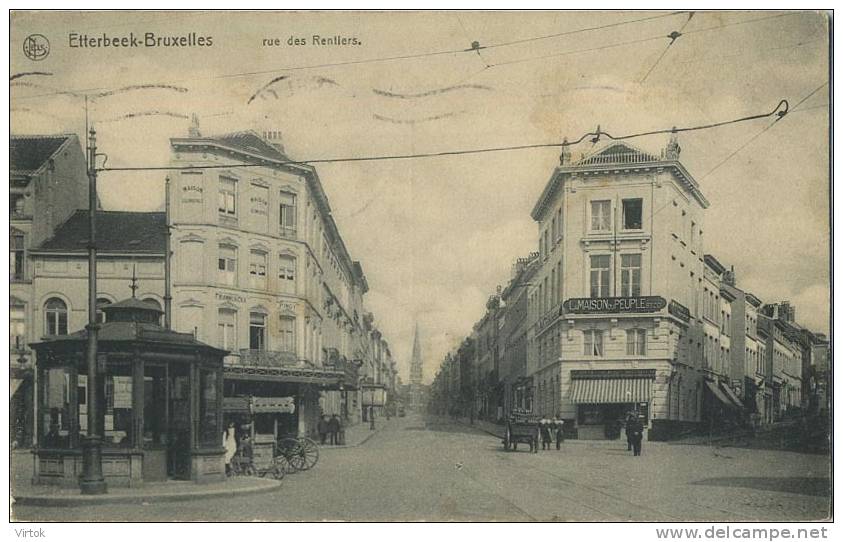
(420,266)
(433,468)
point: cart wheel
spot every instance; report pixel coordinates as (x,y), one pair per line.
(284,464)
(291,450)
(277,470)
(309,452)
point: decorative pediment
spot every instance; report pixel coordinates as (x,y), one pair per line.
(618,153)
(192,238)
(191,302)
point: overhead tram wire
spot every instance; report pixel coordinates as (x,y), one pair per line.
(760,133)
(780,111)
(642,40)
(673,37)
(471,50)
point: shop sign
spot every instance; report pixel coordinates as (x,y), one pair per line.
(679,310)
(608,305)
(278,405)
(221,296)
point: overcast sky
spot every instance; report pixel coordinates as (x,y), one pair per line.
(437,235)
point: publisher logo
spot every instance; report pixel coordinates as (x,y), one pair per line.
(36,47)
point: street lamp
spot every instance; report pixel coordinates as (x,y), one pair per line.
(92,481)
(374,395)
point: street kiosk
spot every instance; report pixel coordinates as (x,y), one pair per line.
(159,394)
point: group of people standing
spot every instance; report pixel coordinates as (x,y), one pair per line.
(330,430)
(552,428)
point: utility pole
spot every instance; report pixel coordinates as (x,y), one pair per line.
(92,481)
(168,298)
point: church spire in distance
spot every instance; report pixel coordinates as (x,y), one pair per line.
(416,363)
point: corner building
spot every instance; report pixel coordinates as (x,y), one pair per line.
(260,270)
(616,305)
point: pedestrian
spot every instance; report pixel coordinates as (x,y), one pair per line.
(637,436)
(544,428)
(371,418)
(229,442)
(628,429)
(334,429)
(322,429)
(560,431)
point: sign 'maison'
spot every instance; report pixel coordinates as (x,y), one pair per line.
(603,305)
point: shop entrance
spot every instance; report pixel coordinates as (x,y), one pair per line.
(606,420)
(178,441)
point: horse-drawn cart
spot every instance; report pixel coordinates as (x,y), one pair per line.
(523,428)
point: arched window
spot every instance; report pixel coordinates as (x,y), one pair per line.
(101,302)
(55,317)
(154,302)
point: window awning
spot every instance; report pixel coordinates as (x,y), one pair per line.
(611,390)
(731,395)
(715,390)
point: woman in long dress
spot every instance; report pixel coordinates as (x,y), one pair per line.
(229,442)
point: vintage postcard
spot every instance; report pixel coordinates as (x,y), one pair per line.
(439,266)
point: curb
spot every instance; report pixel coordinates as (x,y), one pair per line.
(265,486)
(361,443)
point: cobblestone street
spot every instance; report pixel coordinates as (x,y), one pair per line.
(435,469)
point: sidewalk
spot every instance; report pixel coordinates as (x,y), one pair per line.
(24,493)
(359,434)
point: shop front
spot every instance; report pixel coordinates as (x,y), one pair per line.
(604,398)
(159,399)
(276,402)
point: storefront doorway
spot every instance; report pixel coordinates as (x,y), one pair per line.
(606,421)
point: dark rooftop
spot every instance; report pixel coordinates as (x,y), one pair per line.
(28,153)
(251,142)
(117,231)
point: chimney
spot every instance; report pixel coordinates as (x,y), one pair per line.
(193,131)
(274,138)
(729,276)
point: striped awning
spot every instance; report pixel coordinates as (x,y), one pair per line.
(718,393)
(611,390)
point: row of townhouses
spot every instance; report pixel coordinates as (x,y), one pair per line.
(258,269)
(622,310)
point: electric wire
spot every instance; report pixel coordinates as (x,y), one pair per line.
(444,52)
(673,37)
(780,111)
(760,133)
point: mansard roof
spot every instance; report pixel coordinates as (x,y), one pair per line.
(28,153)
(117,232)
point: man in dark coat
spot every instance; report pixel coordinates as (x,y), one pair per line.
(322,429)
(334,429)
(630,420)
(637,436)
(560,431)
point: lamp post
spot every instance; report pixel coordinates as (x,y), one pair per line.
(92,481)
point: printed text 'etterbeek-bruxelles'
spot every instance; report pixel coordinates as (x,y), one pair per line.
(147,39)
